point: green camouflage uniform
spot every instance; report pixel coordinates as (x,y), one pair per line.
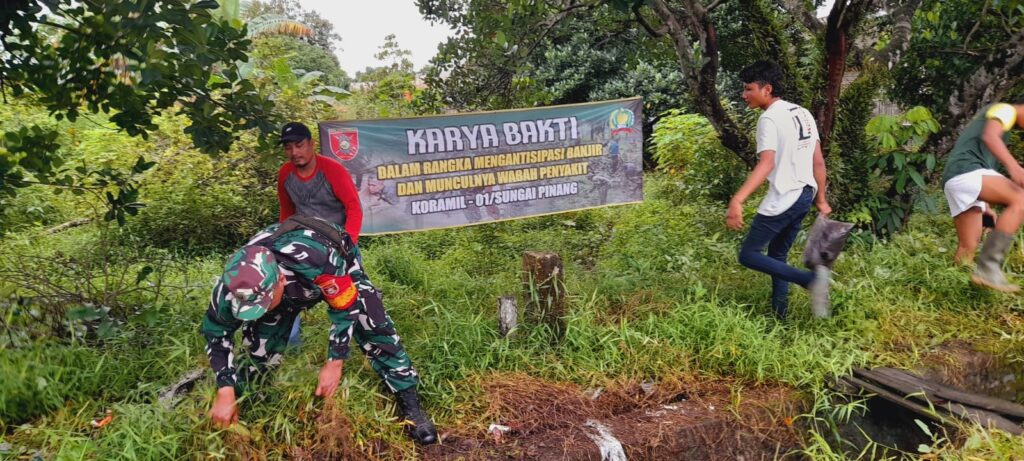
(302,256)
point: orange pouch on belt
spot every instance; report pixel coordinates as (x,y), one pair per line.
(339,291)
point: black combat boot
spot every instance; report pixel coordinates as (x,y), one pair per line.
(421,429)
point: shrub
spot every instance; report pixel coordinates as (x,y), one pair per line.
(687,146)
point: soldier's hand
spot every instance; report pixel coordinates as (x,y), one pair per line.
(330,375)
(225,411)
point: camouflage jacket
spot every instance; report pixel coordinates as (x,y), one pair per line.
(305,258)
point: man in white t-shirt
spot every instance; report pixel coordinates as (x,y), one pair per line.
(790,158)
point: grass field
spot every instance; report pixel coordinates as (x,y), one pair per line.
(655,294)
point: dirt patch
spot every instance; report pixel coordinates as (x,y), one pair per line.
(684,419)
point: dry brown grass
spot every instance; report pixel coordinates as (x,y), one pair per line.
(332,439)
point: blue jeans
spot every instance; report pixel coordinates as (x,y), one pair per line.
(294,339)
(777,233)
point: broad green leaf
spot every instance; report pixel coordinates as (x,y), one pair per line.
(916,177)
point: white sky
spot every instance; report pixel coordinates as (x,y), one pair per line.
(363,24)
(825,8)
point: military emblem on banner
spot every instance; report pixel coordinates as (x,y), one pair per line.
(344,143)
(621,120)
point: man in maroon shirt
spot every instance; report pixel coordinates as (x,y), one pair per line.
(314,185)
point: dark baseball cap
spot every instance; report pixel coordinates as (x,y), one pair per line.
(294,131)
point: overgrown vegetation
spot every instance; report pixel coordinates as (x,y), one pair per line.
(98,317)
(655,295)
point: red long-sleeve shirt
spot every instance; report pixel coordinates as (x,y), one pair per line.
(328,193)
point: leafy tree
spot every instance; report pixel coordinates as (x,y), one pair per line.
(951,57)
(688,146)
(496,61)
(394,58)
(901,165)
(322,31)
(300,56)
(132,60)
(696,34)
(961,56)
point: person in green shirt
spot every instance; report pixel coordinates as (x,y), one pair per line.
(972,186)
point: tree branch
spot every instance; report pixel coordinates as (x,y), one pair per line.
(713,5)
(68,225)
(643,23)
(701,76)
(677,33)
(552,22)
(797,9)
(1003,70)
(901,13)
(977,24)
(61,26)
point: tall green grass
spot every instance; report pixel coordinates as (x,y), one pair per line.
(654,292)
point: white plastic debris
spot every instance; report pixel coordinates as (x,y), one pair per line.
(497,431)
(611,448)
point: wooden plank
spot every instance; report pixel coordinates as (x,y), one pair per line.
(985,419)
(900,383)
(986,402)
(908,383)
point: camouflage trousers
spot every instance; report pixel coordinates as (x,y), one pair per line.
(366,321)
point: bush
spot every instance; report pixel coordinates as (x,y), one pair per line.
(687,146)
(201,204)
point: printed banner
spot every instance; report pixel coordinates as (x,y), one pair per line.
(457,170)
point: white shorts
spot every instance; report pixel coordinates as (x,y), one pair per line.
(962,191)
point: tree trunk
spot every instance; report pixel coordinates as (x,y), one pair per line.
(733,138)
(544,286)
(702,75)
(901,13)
(844,16)
(836,50)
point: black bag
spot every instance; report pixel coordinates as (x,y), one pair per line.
(339,238)
(825,242)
